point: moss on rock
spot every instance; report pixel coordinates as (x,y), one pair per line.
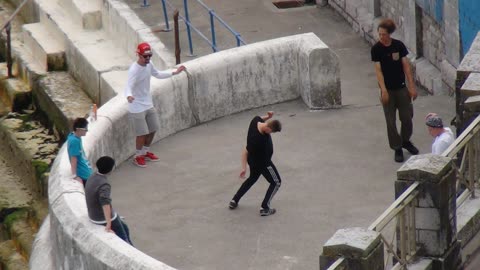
(41,167)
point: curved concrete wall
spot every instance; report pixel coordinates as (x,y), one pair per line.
(214,86)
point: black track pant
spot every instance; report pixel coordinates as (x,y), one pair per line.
(271,174)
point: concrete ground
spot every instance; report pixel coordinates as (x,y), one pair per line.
(337,170)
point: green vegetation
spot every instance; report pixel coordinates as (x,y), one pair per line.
(17,215)
(41,167)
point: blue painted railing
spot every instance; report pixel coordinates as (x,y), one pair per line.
(190,27)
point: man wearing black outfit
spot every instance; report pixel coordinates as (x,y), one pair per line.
(258,154)
(391,67)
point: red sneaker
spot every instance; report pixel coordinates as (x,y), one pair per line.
(149,156)
(139,161)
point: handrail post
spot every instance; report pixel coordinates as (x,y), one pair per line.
(403,242)
(145,3)
(212,29)
(471,165)
(411,229)
(9,51)
(185,5)
(166,16)
(237,36)
(177,39)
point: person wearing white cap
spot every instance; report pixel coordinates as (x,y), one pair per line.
(443,136)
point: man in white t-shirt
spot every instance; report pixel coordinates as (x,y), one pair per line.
(140,104)
(443,136)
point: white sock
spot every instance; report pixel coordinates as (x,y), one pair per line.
(138,153)
(145,149)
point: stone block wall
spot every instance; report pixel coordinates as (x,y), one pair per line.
(433,41)
(394,9)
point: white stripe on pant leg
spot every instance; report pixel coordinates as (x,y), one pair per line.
(277,184)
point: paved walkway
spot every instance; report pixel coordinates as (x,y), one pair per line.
(336,168)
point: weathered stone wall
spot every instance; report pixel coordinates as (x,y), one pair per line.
(213,86)
(433,40)
(394,9)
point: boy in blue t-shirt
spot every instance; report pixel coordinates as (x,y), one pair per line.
(81,169)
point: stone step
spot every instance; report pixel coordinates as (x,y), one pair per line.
(46,49)
(61,98)
(10,259)
(428,76)
(87,13)
(89,53)
(20,231)
(24,65)
(16,94)
(471,87)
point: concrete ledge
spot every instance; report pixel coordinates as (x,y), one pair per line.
(42,248)
(213,86)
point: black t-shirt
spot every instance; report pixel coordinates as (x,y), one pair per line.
(259,146)
(390,59)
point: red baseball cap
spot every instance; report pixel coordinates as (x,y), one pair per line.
(144,48)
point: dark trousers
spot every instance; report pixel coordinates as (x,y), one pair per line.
(271,175)
(401,101)
(121,229)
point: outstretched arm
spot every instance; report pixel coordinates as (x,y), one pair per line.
(179,69)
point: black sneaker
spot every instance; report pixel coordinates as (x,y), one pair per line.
(267,212)
(399,155)
(232,205)
(410,148)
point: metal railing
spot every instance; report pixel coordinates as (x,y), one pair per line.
(7,25)
(401,214)
(465,152)
(189,25)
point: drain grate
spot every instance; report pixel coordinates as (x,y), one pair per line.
(282,4)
